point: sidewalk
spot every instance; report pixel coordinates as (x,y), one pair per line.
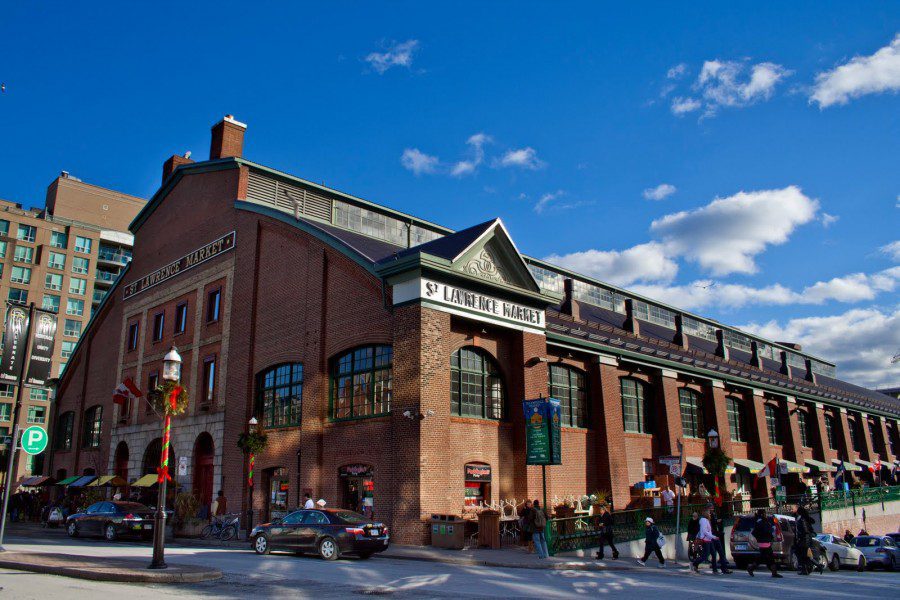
(104,569)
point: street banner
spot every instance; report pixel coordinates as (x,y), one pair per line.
(554,414)
(543,445)
(13,344)
(42,342)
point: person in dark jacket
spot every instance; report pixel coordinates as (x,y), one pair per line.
(803,543)
(693,528)
(605,523)
(718,549)
(763,533)
(651,544)
(525,523)
(848,537)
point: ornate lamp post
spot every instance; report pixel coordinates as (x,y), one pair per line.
(251,443)
(172,400)
(251,425)
(716,462)
(713,438)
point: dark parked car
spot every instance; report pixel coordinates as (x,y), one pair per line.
(112,519)
(329,532)
(878,550)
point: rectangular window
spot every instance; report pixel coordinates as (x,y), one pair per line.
(4,227)
(159,321)
(24,254)
(5,411)
(209,381)
(279,395)
(569,387)
(635,415)
(53,281)
(50,302)
(72,328)
(3,247)
(803,425)
(213,302)
(20,275)
(829,432)
(67,349)
(17,296)
(691,413)
(152,384)
(77,286)
(37,414)
(58,239)
(83,244)
(55,260)
(75,307)
(80,265)
(736,422)
(181,318)
(773,427)
(39,394)
(855,432)
(6,390)
(64,426)
(25,233)
(92,427)
(133,331)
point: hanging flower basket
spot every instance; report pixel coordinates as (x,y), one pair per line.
(716,461)
(169,398)
(253,442)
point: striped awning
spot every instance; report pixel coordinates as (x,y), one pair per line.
(83,481)
(751,465)
(847,466)
(822,467)
(145,481)
(68,480)
(108,480)
(865,463)
(793,467)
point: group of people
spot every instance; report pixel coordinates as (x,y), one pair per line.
(532,523)
(26,505)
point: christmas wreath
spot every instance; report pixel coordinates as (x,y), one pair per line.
(169,398)
(254,441)
(716,461)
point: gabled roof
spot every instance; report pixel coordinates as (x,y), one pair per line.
(451,246)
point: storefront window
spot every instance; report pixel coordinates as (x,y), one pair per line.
(691,413)
(476,388)
(569,386)
(279,486)
(358,489)
(478,484)
(280,395)
(361,384)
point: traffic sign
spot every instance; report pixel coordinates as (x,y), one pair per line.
(34,440)
(673,462)
(182,466)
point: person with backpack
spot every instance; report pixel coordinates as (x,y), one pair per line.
(762,532)
(653,543)
(538,521)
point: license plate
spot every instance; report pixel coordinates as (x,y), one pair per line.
(148,526)
(375,532)
(741,546)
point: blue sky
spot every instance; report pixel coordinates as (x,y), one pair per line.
(565,122)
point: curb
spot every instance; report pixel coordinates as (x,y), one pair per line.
(548,566)
(125,574)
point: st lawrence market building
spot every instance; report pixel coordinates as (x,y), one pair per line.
(386,357)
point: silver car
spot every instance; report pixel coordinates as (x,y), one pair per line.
(878,550)
(838,553)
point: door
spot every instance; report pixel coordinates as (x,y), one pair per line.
(90,524)
(287,533)
(204,453)
(314,524)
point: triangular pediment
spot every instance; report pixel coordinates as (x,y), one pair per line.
(493,257)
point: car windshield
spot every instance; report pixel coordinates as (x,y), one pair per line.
(348,516)
(823,538)
(865,542)
(745,523)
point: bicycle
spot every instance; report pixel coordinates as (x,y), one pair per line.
(223,527)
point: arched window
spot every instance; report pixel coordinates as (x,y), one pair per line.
(737,421)
(64,427)
(361,382)
(829,432)
(279,395)
(635,405)
(91,427)
(691,413)
(476,388)
(569,386)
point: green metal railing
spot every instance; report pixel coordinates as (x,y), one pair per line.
(861,497)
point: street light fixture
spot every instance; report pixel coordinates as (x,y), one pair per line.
(172,365)
(713,438)
(171,373)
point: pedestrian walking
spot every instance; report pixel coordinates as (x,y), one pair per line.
(763,533)
(668,497)
(538,520)
(308,504)
(803,542)
(653,543)
(693,528)
(718,529)
(606,533)
(527,536)
(848,537)
(707,538)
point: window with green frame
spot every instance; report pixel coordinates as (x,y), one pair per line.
(691,413)
(279,395)
(737,422)
(5,411)
(91,427)
(829,432)
(855,432)
(803,424)
(361,382)
(636,416)
(773,427)
(63,439)
(476,387)
(569,386)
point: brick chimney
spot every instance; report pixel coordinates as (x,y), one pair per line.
(785,365)
(755,357)
(681,337)
(631,322)
(227,138)
(810,374)
(721,348)
(569,305)
(174,162)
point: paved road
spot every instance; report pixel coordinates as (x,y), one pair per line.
(282,575)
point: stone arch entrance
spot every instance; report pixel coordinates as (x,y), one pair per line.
(120,463)
(204,452)
(151,457)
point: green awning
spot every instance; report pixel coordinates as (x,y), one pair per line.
(68,480)
(751,465)
(847,466)
(793,467)
(822,467)
(865,463)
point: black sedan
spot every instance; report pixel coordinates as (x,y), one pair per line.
(328,532)
(111,519)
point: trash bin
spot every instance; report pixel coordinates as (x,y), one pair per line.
(489,529)
(448,531)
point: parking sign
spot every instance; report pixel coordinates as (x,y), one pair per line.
(34,440)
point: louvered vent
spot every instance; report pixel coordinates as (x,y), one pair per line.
(288,198)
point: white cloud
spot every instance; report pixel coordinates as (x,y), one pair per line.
(725,83)
(467,167)
(546,199)
(862,75)
(523,158)
(395,55)
(418,162)
(860,341)
(660,192)
(646,262)
(677,71)
(681,106)
(829,220)
(724,236)
(892,250)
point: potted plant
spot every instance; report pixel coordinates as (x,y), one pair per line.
(186,523)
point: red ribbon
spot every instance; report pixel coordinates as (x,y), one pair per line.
(163,474)
(173,397)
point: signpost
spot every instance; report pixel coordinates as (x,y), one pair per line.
(34,440)
(543,432)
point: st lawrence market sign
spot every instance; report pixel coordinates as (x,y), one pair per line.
(175,268)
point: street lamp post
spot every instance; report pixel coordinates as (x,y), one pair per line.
(251,424)
(713,438)
(171,373)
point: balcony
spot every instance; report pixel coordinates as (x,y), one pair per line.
(105,278)
(99,295)
(114,257)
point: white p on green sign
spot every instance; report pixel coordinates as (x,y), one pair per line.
(34,440)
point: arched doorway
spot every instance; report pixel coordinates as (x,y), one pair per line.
(151,458)
(204,451)
(120,466)
(358,488)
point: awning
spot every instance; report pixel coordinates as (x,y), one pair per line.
(108,480)
(793,467)
(37,481)
(751,465)
(865,463)
(68,480)
(696,464)
(29,481)
(83,481)
(822,467)
(145,481)
(847,466)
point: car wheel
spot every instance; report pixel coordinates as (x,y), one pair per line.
(109,532)
(261,544)
(72,529)
(861,565)
(835,564)
(328,549)
(365,555)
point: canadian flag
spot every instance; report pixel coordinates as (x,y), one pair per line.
(770,470)
(876,467)
(126,391)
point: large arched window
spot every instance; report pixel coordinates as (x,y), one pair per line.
(635,405)
(569,386)
(691,413)
(91,427)
(361,382)
(64,428)
(476,388)
(279,395)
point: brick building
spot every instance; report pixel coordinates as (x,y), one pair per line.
(387,356)
(63,258)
